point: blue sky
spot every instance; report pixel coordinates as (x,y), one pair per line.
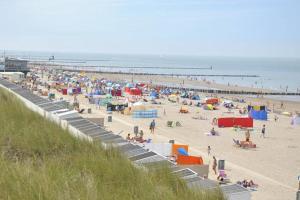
(261,28)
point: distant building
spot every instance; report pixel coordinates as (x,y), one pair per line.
(16,65)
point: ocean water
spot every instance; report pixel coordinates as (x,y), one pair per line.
(274,73)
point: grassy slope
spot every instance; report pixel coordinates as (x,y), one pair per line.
(39,160)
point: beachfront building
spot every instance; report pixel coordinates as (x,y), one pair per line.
(15,65)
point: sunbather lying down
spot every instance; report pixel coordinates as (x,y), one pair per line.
(244,144)
(247,184)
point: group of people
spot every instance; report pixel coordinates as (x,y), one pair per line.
(138,138)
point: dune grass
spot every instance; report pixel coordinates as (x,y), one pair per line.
(39,160)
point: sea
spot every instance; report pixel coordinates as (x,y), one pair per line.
(281,74)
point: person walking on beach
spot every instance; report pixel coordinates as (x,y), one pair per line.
(214,166)
(208,150)
(152,126)
(263,131)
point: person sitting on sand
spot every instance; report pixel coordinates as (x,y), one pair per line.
(246,183)
(128,137)
(213,132)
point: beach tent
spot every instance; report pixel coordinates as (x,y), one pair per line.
(196,97)
(154,94)
(172,98)
(184,109)
(258,112)
(184,95)
(256,108)
(208,107)
(116,92)
(258,115)
(64,91)
(296,120)
(212,101)
(135,91)
(166,91)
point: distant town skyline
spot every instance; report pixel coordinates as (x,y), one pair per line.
(256,28)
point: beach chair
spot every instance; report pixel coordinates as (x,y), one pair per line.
(178,124)
(169,123)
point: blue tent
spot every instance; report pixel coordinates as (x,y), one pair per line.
(154,94)
(259,115)
(196,97)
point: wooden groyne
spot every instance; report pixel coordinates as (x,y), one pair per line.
(230,92)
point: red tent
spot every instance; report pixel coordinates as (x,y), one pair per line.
(212,101)
(64,91)
(116,93)
(127,89)
(135,91)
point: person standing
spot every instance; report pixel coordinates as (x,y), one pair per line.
(152,126)
(263,131)
(214,166)
(208,150)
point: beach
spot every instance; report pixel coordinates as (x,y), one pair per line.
(273,165)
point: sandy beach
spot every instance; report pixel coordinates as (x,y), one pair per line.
(274,165)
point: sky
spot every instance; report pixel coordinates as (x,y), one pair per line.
(254,28)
